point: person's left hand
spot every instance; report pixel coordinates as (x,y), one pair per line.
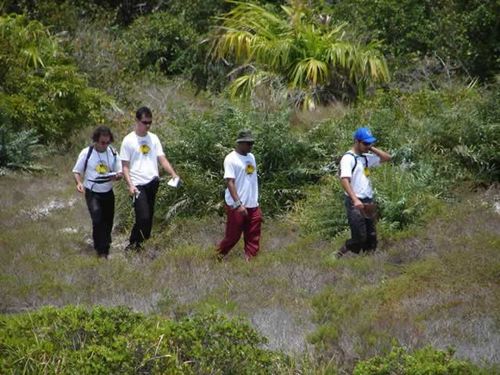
(117,177)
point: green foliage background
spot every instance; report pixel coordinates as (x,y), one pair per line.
(41,87)
(462,34)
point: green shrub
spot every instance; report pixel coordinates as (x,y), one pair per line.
(75,340)
(462,35)
(160,41)
(41,88)
(16,148)
(424,361)
(59,15)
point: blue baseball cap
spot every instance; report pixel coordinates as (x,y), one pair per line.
(364,135)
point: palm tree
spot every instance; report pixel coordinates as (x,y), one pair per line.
(313,59)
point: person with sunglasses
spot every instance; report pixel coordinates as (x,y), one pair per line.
(140,152)
(358,200)
(95,170)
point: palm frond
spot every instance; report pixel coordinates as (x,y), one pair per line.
(309,72)
(245,85)
(290,44)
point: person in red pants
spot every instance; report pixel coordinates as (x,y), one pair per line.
(241,199)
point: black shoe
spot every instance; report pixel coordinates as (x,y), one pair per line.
(340,253)
(134,246)
(219,257)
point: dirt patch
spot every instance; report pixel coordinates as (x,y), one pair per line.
(46,209)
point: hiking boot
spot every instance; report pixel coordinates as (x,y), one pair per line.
(133,246)
(219,257)
(340,253)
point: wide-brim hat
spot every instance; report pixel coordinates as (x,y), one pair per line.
(245,136)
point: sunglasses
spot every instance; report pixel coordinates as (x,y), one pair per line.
(146,122)
(104,143)
(366,143)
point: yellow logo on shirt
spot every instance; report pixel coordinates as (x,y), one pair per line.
(101,168)
(250,169)
(144,149)
(367,172)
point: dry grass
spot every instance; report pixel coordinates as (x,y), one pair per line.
(306,119)
(437,286)
(47,259)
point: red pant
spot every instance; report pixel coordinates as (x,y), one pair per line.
(237,223)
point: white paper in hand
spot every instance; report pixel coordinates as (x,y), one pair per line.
(106,176)
(174,182)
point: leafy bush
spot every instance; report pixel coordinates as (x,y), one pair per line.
(462,35)
(16,148)
(424,361)
(116,340)
(59,15)
(160,41)
(41,88)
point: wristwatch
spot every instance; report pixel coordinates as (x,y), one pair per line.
(236,204)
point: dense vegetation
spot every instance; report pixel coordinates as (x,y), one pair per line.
(422,74)
(120,341)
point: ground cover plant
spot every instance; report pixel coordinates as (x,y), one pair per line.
(427,360)
(117,340)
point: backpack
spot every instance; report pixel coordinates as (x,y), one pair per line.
(89,153)
(355,161)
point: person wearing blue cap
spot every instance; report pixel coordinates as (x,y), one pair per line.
(354,177)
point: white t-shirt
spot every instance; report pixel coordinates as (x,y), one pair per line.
(360,182)
(98,165)
(142,153)
(244,171)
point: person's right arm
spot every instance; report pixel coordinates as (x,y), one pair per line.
(79,183)
(346,165)
(346,185)
(126,174)
(78,170)
(125,156)
(231,186)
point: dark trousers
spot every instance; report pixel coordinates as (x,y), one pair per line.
(102,210)
(238,223)
(363,231)
(144,210)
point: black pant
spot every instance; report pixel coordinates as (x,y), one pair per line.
(144,210)
(102,210)
(363,231)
